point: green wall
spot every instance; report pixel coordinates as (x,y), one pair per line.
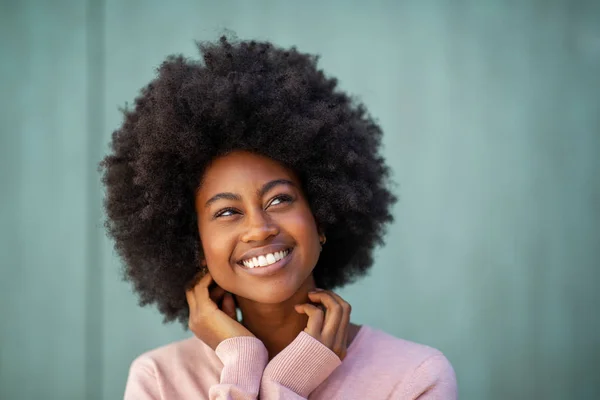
(491,112)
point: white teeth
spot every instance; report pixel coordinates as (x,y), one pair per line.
(264,260)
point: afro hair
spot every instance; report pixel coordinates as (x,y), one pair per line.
(241,95)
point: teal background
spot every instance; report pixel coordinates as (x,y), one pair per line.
(491,112)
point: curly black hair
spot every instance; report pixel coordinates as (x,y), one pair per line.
(242,95)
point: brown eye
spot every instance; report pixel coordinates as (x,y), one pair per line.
(282,198)
(226,212)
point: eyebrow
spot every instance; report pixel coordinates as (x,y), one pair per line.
(261,192)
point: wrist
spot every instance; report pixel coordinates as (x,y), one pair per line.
(303,365)
(244,359)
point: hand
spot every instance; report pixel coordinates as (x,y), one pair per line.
(208,322)
(329,327)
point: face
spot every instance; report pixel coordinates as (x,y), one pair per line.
(258,234)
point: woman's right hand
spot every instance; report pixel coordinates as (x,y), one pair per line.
(208,322)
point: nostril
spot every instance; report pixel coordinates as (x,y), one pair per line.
(261,233)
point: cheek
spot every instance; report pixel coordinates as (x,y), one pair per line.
(217,254)
(303,228)
(216,248)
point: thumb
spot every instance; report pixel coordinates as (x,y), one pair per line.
(315,318)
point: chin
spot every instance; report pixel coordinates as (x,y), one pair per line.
(274,297)
(273,294)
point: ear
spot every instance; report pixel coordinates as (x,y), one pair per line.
(203,262)
(322,237)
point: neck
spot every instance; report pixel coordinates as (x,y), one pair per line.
(276,325)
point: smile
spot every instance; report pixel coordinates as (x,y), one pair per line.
(265,259)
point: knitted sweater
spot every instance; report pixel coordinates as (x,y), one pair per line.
(377,366)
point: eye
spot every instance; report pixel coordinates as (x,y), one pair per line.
(282,198)
(226,212)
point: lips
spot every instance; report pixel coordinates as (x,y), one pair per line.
(263,251)
(267,259)
(267,268)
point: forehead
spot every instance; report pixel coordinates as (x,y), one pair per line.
(238,170)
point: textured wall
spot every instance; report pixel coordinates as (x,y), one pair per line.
(491,112)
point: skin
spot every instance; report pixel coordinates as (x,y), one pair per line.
(245,203)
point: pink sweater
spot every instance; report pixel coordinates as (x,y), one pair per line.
(377,366)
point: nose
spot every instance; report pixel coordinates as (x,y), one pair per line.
(260,227)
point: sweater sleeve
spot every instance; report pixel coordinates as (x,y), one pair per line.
(298,369)
(433,379)
(142,383)
(244,359)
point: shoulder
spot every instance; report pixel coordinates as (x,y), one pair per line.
(183,361)
(180,350)
(392,348)
(418,368)
(177,356)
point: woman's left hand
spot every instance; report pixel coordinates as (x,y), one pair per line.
(329,326)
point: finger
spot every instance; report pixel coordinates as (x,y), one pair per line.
(189,290)
(201,289)
(191,300)
(190,285)
(341,339)
(204,282)
(228,306)
(315,319)
(204,300)
(333,316)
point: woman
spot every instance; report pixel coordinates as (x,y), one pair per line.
(249,183)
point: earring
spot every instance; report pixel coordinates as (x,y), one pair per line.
(323,241)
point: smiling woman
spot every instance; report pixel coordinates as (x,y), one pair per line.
(255,210)
(248,182)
